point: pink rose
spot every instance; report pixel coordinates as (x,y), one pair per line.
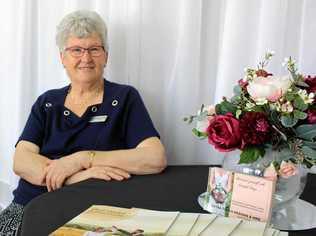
(223,132)
(268,88)
(270,173)
(287,169)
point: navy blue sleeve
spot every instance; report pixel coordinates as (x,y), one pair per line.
(137,123)
(34,128)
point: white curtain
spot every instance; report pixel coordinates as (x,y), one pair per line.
(177,53)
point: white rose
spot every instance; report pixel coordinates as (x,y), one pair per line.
(268,88)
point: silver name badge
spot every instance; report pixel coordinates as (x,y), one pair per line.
(95,119)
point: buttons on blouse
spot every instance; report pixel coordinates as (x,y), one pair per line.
(66,112)
(48,104)
(94,109)
(114,103)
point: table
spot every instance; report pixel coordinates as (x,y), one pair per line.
(176,189)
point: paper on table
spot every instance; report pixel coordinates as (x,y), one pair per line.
(183,224)
(271,232)
(249,228)
(202,222)
(283,233)
(221,226)
(113,219)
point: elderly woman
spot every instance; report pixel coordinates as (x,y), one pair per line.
(92,128)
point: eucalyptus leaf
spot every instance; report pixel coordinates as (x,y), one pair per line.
(311,153)
(237,90)
(288,120)
(301,84)
(307,132)
(202,116)
(310,144)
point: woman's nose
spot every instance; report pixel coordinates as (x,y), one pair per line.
(86,56)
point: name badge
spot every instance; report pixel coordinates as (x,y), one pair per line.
(95,119)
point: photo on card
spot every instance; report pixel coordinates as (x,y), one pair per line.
(219,189)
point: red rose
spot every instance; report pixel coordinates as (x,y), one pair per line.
(254,128)
(223,132)
(262,73)
(311,81)
(311,116)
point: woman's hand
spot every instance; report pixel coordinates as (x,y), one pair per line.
(98,172)
(58,170)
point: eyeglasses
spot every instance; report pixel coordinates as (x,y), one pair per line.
(94,51)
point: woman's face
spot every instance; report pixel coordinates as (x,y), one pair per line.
(86,68)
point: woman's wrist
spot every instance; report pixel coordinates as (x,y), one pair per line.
(91,155)
(87,159)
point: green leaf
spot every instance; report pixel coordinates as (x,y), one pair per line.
(251,154)
(225,107)
(299,115)
(307,132)
(299,103)
(199,134)
(288,120)
(311,153)
(289,97)
(235,99)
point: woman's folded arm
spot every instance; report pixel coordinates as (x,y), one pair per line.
(29,164)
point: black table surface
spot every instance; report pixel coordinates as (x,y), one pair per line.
(175,189)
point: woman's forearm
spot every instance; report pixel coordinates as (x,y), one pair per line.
(144,159)
(28,164)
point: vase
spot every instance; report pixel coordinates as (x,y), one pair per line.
(287,190)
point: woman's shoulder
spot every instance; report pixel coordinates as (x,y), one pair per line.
(53,96)
(118,89)
(118,86)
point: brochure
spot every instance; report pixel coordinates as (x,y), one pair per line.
(202,222)
(102,220)
(108,220)
(183,224)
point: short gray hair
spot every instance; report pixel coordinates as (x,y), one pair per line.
(81,24)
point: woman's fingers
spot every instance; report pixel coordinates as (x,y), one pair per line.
(118,172)
(107,173)
(59,182)
(114,176)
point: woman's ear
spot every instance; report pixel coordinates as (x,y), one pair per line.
(61,56)
(106,58)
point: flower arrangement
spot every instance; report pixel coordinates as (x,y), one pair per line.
(265,112)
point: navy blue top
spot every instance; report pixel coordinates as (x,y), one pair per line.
(59,132)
